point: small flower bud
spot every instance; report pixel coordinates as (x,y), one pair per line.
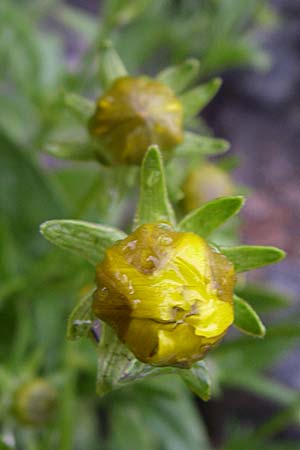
(134,114)
(35,402)
(206,183)
(167,294)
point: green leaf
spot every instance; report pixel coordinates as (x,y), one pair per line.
(197,379)
(194,144)
(252,381)
(88,240)
(196,99)
(71,150)
(181,76)
(81,318)
(211,215)
(79,106)
(153,204)
(236,354)
(249,257)
(246,319)
(111,65)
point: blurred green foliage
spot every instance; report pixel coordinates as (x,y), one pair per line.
(48,48)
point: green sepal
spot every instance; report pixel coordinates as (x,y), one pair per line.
(211,215)
(88,240)
(246,319)
(196,99)
(181,76)
(71,150)
(112,66)
(117,366)
(79,106)
(249,257)
(194,144)
(197,379)
(81,318)
(153,204)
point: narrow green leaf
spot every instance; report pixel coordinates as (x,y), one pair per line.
(196,99)
(246,319)
(153,204)
(81,318)
(180,77)
(79,106)
(211,215)
(249,257)
(88,240)
(112,66)
(75,151)
(194,144)
(197,379)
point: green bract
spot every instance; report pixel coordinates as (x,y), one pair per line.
(117,365)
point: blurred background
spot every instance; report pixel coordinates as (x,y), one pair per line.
(49,47)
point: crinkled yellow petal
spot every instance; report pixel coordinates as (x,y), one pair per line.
(168,295)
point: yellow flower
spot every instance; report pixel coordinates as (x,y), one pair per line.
(206,183)
(35,402)
(167,294)
(134,114)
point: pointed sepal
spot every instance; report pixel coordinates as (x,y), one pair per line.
(86,239)
(81,318)
(179,77)
(194,144)
(246,319)
(197,379)
(249,257)
(79,106)
(153,204)
(211,215)
(196,99)
(117,366)
(111,65)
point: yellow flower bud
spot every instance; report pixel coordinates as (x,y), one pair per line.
(35,402)
(206,183)
(167,294)
(134,114)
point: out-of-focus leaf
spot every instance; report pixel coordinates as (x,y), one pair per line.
(258,384)
(153,204)
(196,99)
(75,151)
(249,257)
(196,145)
(178,78)
(156,403)
(246,319)
(197,379)
(262,297)
(211,215)
(236,354)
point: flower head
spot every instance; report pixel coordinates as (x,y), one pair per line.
(206,183)
(35,402)
(168,294)
(133,114)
